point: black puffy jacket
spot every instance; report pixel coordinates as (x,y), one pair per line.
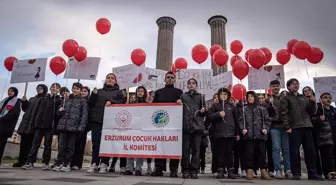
(47,112)
(322,129)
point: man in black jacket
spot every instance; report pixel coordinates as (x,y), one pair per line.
(168,94)
(295,114)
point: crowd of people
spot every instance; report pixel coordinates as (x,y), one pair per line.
(258,133)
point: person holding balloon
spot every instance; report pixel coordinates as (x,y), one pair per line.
(108,95)
(254,123)
(9,115)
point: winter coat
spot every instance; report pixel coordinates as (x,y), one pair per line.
(47,117)
(274,111)
(296,111)
(227,126)
(98,100)
(30,109)
(74,118)
(168,94)
(256,119)
(8,121)
(322,129)
(193,119)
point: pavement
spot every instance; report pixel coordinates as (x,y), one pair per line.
(17,176)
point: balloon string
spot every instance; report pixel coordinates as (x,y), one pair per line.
(137,73)
(223,104)
(54,110)
(66,81)
(259,80)
(243,104)
(201,82)
(304,61)
(78,70)
(4,88)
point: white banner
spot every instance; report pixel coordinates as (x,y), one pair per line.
(85,70)
(142,131)
(29,70)
(325,85)
(203,77)
(130,75)
(260,79)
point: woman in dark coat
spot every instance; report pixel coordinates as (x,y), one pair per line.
(9,115)
(26,128)
(78,156)
(109,94)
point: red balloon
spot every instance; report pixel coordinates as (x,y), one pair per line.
(269,91)
(199,53)
(247,54)
(181,63)
(301,50)
(238,91)
(103,26)
(57,65)
(70,47)
(138,57)
(240,69)
(268,55)
(220,57)
(236,47)
(81,54)
(290,45)
(214,48)
(173,68)
(315,55)
(9,63)
(234,59)
(283,56)
(256,58)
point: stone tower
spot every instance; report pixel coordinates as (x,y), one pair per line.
(164,54)
(217,24)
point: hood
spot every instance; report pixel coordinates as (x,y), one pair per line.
(256,99)
(44,87)
(313,93)
(111,88)
(223,89)
(141,99)
(16,91)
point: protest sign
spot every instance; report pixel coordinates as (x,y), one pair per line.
(260,79)
(142,131)
(29,70)
(325,84)
(130,75)
(85,70)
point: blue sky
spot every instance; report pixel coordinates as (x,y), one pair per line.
(39,28)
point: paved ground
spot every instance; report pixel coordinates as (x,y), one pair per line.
(11,176)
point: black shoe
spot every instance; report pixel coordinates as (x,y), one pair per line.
(296,177)
(157,173)
(173,174)
(193,176)
(185,176)
(316,178)
(138,173)
(18,165)
(128,172)
(231,173)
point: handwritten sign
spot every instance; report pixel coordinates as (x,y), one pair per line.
(260,79)
(85,70)
(29,70)
(203,77)
(325,85)
(222,80)
(154,79)
(130,75)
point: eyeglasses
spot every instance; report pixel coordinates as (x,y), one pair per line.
(170,77)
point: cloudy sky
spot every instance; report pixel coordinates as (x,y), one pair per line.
(38,29)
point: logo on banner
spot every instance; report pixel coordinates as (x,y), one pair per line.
(123,118)
(160,118)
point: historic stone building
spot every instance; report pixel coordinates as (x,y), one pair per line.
(217,24)
(164,55)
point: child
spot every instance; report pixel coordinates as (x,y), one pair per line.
(322,120)
(255,124)
(9,114)
(26,128)
(45,120)
(141,95)
(223,117)
(73,122)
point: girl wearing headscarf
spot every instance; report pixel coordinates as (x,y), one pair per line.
(9,115)
(109,94)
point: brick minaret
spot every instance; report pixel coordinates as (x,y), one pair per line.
(164,54)
(217,24)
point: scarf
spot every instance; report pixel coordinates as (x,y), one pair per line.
(6,107)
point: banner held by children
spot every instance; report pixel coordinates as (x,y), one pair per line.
(29,70)
(260,79)
(325,84)
(85,70)
(130,132)
(129,75)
